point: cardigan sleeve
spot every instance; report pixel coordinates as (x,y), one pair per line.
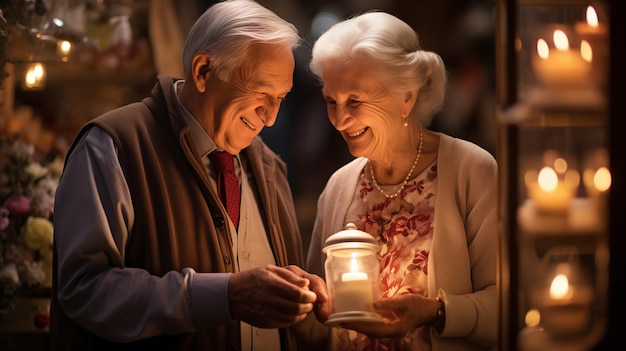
(465,248)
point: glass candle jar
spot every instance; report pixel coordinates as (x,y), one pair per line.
(352,276)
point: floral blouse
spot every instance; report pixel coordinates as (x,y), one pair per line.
(403,228)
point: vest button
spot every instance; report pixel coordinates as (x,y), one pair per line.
(219,222)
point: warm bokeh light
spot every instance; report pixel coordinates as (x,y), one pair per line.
(65,47)
(560,165)
(560,40)
(585,51)
(572,178)
(532,318)
(34,76)
(547,179)
(542,49)
(592,17)
(559,289)
(602,179)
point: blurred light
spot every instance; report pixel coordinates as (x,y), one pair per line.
(322,21)
(560,40)
(35,76)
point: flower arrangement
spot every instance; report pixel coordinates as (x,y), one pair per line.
(27,189)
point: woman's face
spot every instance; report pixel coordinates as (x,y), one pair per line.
(369,117)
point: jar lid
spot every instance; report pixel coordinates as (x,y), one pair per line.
(350,237)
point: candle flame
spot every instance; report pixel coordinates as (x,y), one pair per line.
(560,40)
(602,179)
(585,51)
(592,17)
(559,289)
(547,179)
(542,49)
(354,266)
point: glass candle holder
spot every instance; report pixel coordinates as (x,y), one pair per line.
(565,297)
(352,276)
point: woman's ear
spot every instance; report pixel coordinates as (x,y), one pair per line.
(409,100)
(200,70)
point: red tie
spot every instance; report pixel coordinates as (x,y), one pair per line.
(227,183)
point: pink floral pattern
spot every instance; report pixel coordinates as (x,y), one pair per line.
(403,228)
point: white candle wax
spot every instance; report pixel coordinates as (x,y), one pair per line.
(561,66)
(554,201)
(353,292)
(550,192)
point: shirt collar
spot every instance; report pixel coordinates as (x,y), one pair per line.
(204,143)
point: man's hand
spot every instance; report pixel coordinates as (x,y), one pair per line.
(271,296)
(318,286)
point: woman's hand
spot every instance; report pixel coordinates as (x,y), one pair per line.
(401,314)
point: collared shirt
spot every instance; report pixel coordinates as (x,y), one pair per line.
(250,245)
(94,190)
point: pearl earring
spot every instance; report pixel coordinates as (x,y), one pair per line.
(406,122)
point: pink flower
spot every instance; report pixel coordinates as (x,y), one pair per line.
(18,205)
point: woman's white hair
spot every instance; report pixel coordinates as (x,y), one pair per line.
(228,28)
(393,46)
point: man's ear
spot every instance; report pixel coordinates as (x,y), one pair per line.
(200,70)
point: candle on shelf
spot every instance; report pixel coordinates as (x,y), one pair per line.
(595,35)
(591,27)
(354,291)
(597,179)
(565,308)
(550,192)
(562,67)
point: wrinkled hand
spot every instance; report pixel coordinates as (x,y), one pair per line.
(401,314)
(270,296)
(318,286)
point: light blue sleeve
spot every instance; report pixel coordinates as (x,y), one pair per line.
(93,219)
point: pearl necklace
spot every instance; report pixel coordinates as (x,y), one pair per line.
(408,176)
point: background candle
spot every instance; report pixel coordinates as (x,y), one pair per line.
(551,193)
(565,308)
(561,66)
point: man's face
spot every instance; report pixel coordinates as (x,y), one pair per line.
(251,98)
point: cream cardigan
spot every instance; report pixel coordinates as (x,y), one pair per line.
(463,257)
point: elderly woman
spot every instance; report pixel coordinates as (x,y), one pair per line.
(427,198)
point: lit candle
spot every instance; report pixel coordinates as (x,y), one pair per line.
(591,26)
(595,35)
(354,291)
(551,193)
(566,309)
(562,67)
